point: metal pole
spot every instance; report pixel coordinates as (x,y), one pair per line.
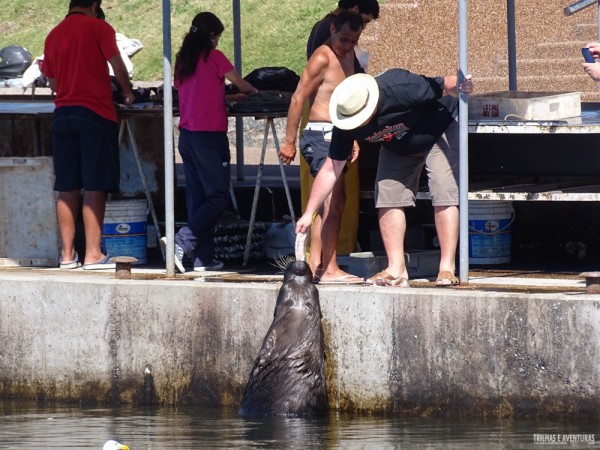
(578,6)
(259,174)
(237,62)
(168,141)
(463,123)
(283,176)
(512,45)
(138,162)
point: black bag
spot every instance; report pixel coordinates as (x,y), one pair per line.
(273,79)
(14,61)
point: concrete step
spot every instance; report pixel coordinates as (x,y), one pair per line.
(560,49)
(590,90)
(546,66)
(585,31)
(397,5)
(567,81)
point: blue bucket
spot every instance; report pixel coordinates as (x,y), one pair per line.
(490,226)
(124,232)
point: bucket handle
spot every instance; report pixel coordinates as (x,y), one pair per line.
(512,219)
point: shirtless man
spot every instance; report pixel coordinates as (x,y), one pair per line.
(331,63)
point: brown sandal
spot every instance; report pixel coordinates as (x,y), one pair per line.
(384,278)
(446,278)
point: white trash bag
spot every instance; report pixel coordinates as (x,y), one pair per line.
(127,47)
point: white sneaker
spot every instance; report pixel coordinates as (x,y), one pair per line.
(179,254)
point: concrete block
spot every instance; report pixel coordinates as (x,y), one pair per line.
(519,105)
(362,264)
(423,263)
(419,263)
(28,224)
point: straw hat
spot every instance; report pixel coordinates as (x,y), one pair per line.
(353,101)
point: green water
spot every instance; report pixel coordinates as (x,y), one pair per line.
(29,426)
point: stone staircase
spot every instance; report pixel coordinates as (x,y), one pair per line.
(554,67)
(422,36)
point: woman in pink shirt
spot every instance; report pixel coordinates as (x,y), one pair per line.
(200,72)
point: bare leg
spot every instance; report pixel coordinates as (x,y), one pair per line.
(446,225)
(94,203)
(330,232)
(67,206)
(314,258)
(392,224)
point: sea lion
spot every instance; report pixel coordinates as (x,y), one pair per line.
(288,377)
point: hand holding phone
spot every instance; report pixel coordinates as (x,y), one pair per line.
(587,55)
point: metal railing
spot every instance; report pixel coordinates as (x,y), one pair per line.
(578,6)
(582,4)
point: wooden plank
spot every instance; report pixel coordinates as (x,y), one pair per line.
(556,196)
(523,196)
(579,193)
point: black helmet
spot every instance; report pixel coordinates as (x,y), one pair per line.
(14,60)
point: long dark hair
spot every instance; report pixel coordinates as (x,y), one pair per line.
(196,43)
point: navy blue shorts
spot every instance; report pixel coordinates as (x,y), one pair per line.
(314,146)
(85,148)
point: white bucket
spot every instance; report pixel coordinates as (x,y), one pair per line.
(490,225)
(124,230)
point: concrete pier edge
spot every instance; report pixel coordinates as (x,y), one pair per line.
(419,351)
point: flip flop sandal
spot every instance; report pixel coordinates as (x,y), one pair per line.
(446,278)
(384,278)
(344,279)
(65,265)
(104,263)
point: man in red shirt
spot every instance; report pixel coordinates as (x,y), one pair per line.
(84,130)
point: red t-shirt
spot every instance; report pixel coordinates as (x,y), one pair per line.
(76,53)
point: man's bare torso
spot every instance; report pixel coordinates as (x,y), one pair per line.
(338,68)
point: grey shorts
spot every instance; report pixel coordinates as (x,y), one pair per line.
(397,180)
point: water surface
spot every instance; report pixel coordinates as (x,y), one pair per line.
(30,426)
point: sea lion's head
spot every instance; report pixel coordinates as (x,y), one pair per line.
(298,291)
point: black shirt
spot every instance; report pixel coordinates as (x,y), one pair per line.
(411,115)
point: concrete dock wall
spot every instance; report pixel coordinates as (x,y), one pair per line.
(422,351)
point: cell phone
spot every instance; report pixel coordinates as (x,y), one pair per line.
(587,55)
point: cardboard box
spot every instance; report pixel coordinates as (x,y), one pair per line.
(520,105)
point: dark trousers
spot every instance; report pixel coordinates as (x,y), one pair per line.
(207,171)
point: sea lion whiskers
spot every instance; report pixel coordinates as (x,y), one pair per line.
(282,262)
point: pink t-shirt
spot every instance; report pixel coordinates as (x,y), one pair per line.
(202,96)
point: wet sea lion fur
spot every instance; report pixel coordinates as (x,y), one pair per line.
(288,377)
